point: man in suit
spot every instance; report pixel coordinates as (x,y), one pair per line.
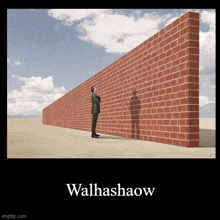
(95,110)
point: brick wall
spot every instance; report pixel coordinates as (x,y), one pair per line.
(151,93)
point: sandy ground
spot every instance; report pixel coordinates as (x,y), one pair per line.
(29,138)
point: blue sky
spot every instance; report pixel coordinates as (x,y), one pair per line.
(51,51)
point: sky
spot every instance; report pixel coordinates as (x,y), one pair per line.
(52,51)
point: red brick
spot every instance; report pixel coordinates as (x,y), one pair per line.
(173,135)
(168,40)
(173,83)
(184,115)
(168,53)
(167,28)
(192,93)
(194,129)
(184,17)
(192,136)
(184,143)
(174,68)
(169,141)
(176,49)
(192,121)
(168,103)
(189,100)
(192,107)
(176,88)
(193,114)
(175,115)
(167,34)
(161,32)
(176,22)
(194,58)
(173,31)
(192,79)
(168,90)
(159,39)
(194,143)
(166,109)
(191,43)
(193,15)
(174,122)
(181,136)
(181,122)
(192,51)
(194,86)
(176,142)
(181,94)
(181,26)
(181,108)
(166,134)
(181,66)
(185,31)
(183,59)
(176,36)
(166,122)
(192,36)
(169,128)
(167,47)
(161,140)
(189,72)
(181,39)
(169,115)
(181,53)
(194,65)
(193,29)
(168,65)
(192,22)
(167,60)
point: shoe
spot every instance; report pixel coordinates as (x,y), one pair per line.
(94,136)
(97,135)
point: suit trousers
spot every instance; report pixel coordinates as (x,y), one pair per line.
(94,121)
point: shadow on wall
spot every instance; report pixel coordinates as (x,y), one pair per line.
(134,110)
(207,138)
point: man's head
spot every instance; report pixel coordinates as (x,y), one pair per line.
(135,92)
(93,89)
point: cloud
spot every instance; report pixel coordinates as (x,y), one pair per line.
(18,63)
(117,33)
(213,86)
(33,96)
(92,73)
(208,17)
(207,89)
(204,100)
(207,58)
(69,16)
(120,33)
(207,42)
(207,81)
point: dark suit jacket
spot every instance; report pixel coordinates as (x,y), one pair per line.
(95,104)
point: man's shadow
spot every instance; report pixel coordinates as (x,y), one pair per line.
(134,109)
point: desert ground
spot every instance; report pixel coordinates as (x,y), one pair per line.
(29,138)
